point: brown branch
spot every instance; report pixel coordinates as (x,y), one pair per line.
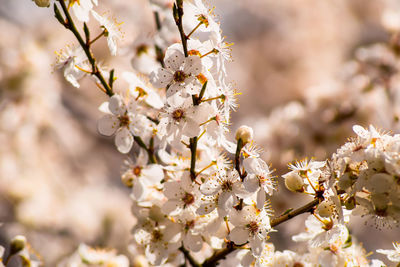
(222,253)
(69,24)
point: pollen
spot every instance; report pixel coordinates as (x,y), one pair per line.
(178,114)
(124,120)
(179,76)
(137,170)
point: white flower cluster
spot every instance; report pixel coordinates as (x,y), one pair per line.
(192,203)
(367,170)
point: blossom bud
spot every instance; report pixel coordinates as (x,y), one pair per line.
(245,133)
(17,244)
(350,203)
(127,179)
(324,209)
(42,3)
(294,182)
(140,261)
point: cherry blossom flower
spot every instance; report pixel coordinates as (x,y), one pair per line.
(179,74)
(392,254)
(251,225)
(228,186)
(258,179)
(142,91)
(81,8)
(73,61)
(122,121)
(159,239)
(142,177)
(112,31)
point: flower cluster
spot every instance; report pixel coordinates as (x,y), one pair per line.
(367,170)
(198,195)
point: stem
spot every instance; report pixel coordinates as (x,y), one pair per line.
(193,150)
(150,151)
(283,218)
(159,52)
(219,255)
(195,28)
(178,14)
(222,253)
(69,24)
(189,257)
(239,147)
(97,37)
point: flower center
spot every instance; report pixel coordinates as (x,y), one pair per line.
(178,114)
(227,186)
(156,235)
(179,76)
(189,225)
(142,49)
(188,199)
(137,170)
(124,120)
(253,227)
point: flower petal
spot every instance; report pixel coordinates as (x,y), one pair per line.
(108,125)
(239,235)
(123,140)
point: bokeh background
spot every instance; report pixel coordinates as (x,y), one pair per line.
(296,63)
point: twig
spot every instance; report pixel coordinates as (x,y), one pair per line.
(222,253)
(189,257)
(193,151)
(69,24)
(178,14)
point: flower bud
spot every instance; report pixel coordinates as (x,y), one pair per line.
(245,133)
(324,209)
(350,203)
(17,244)
(140,261)
(42,3)
(127,179)
(294,182)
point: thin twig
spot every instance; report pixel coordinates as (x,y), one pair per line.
(69,24)
(222,253)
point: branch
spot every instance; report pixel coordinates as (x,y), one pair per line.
(69,24)
(178,14)
(222,253)
(149,150)
(193,151)
(189,257)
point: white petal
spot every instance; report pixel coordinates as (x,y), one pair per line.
(117,106)
(257,245)
(153,173)
(211,187)
(226,201)
(206,208)
(251,183)
(161,78)
(138,190)
(123,140)
(193,242)
(170,206)
(174,60)
(261,197)
(239,235)
(172,190)
(108,125)
(193,65)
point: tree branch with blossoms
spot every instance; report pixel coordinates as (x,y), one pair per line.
(179,115)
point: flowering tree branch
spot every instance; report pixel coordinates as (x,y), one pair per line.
(222,253)
(69,24)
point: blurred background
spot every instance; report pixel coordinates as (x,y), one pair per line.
(308,70)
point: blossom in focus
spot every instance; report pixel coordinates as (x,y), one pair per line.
(392,254)
(112,31)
